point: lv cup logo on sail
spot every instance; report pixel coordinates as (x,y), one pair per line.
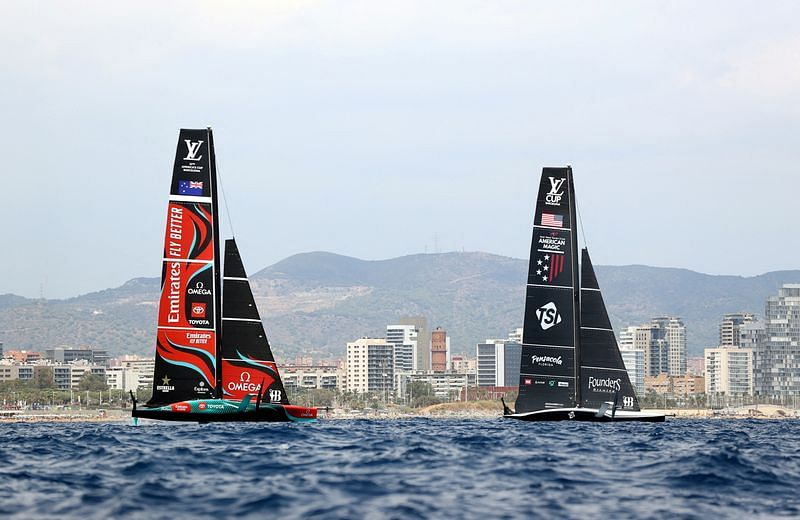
(556,193)
(193,148)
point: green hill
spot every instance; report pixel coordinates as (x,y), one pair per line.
(316,302)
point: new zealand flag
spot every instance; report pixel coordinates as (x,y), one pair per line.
(190,188)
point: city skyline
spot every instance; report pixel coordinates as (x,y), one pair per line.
(326,114)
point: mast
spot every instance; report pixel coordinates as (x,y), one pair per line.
(217,262)
(575,281)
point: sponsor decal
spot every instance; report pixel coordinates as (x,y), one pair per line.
(244,384)
(539,382)
(275,396)
(201,405)
(181,407)
(199,288)
(198,310)
(174,295)
(563,384)
(551,383)
(552,242)
(192,148)
(528,382)
(627,402)
(607,385)
(201,388)
(190,188)
(198,338)
(165,386)
(548,361)
(571,415)
(548,316)
(549,267)
(553,198)
(174,231)
(552,220)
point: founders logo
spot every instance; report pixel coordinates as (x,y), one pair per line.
(193,148)
(548,316)
(556,193)
(607,385)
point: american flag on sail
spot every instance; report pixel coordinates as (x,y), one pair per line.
(552,220)
(550,266)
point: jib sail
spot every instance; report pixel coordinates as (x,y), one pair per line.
(602,372)
(248,366)
(548,365)
(186,343)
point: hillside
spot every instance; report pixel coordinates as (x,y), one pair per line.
(316,302)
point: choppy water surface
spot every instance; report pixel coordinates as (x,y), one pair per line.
(401,469)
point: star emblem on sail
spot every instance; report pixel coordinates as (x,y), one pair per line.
(550,267)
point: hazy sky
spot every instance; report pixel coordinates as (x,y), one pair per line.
(378,129)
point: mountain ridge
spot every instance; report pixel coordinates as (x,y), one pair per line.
(317,301)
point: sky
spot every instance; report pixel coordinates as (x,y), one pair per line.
(382,129)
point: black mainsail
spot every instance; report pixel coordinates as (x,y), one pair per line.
(571,367)
(248,365)
(548,367)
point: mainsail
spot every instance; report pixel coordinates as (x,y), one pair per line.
(186,344)
(548,365)
(248,366)
(602,371)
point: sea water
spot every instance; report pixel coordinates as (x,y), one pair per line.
(414,468)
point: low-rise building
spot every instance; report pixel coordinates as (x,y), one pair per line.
(312,377)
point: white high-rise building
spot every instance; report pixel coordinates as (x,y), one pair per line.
(777,358)
(370,366)
(405,339)
(729,370)
(633,358)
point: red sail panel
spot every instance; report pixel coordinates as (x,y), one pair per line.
(189,233)
(187,295)
(245,377)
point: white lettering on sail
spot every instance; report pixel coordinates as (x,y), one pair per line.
(175,232)
(556,193)
(174,296)
(193,148)
(547,360)
(605,385)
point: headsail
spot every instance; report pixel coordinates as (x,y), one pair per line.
(548,366)
(186,344)
(247,361)
(602,372)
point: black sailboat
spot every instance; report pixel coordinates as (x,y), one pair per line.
(571,367)
(212,361)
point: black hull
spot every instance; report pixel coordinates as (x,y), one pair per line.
(275,413)
(585,415)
